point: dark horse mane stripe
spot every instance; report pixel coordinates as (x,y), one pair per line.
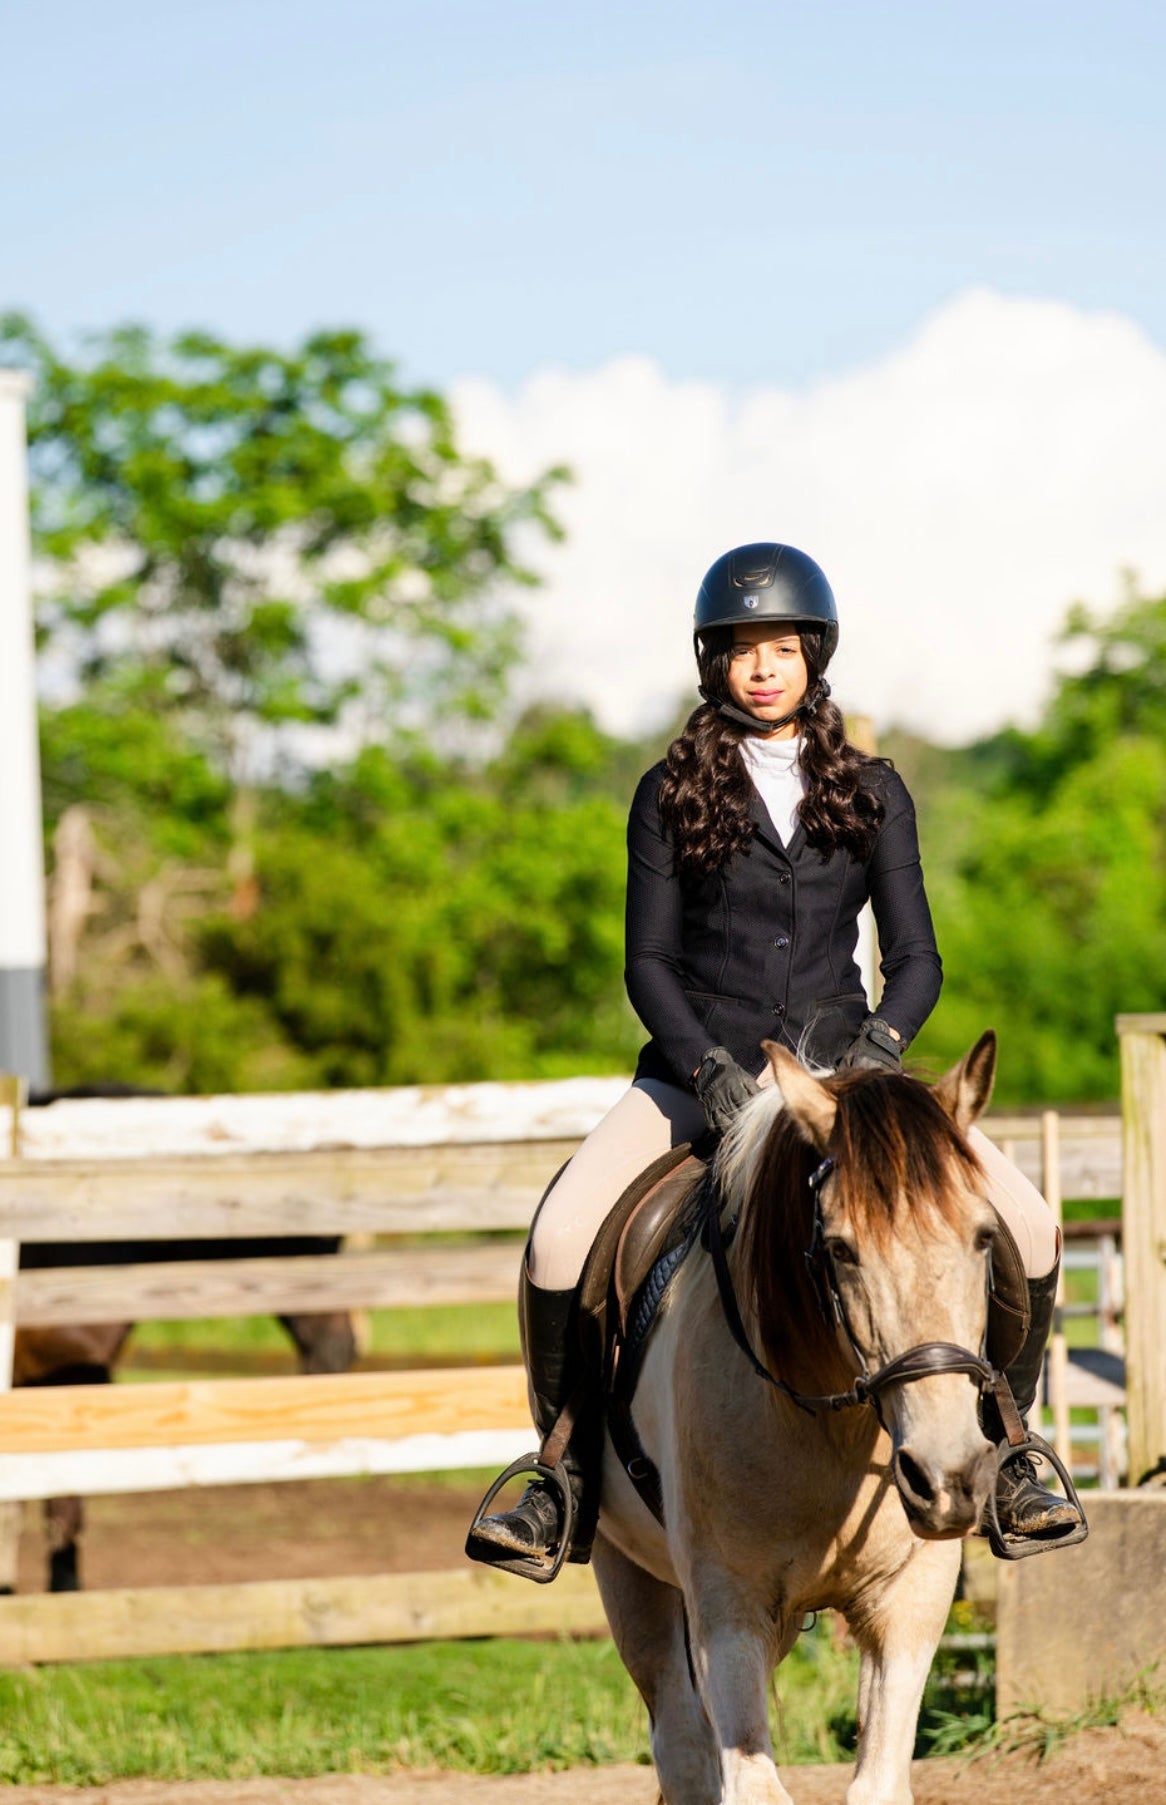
(895,1148)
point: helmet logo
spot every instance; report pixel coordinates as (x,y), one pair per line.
(750,601)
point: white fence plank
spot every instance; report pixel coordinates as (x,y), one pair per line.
(89,1472)
(98,1128)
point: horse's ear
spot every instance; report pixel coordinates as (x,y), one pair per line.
(965,1090)
(805,1097)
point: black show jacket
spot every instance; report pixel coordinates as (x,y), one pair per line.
(763,948)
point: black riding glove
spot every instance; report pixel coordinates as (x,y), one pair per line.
(876,1048)
(722,1086)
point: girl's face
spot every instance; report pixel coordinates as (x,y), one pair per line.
(767,673)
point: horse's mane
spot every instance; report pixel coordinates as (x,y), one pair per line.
(894,1148)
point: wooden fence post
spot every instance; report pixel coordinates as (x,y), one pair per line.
(13,1092)
(1057,1358)
(1143,1084)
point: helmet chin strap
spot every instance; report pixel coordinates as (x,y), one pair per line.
(807,708)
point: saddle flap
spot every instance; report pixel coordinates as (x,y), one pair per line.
(658,1221)
(595,1285)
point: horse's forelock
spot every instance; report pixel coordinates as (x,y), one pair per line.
(895,1148)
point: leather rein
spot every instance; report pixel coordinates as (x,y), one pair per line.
(924,1361)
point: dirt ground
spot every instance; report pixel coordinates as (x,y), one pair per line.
(317,1529)
(326,1528)
(1100,1767)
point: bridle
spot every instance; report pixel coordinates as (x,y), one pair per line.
(925,1361)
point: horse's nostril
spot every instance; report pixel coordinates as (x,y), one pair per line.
(912,1478)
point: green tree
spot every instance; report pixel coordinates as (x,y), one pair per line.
(1052,916)
(234,543)
(247,538)
(418,924)
(415,918)
(131,998)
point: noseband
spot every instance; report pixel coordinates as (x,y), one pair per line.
(925,1361)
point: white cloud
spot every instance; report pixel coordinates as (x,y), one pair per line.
(1009,459)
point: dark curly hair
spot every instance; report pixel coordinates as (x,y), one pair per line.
(706,792)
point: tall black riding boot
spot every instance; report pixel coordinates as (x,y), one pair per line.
(1024,1507)
(533,1531)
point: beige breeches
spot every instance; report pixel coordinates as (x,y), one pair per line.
(648,1120)
(1020,1206)
(652,1117)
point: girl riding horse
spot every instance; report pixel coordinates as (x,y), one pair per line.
(753,846)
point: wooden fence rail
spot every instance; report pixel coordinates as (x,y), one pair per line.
(405,1278)
(482,1171)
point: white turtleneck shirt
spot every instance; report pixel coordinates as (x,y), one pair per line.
(777,777)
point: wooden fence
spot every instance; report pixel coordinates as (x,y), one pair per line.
(1143,1073)
(468,1160)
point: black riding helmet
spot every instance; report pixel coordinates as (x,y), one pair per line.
(767,582)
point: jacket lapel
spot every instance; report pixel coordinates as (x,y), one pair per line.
(766,831)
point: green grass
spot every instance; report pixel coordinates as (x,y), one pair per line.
(1092,1209)
(1039,1734)
(469,1332)
(481,1707)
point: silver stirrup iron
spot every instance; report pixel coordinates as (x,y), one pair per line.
(541,1569)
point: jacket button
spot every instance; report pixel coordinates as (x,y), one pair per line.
(779,1009)
(781,940)
(783,877)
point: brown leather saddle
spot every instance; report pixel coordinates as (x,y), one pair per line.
(641,1246)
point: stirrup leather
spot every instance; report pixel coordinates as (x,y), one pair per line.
(541,1568)
(1020,1547)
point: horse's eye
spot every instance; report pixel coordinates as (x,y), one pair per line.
(842,1253)
(985,1240)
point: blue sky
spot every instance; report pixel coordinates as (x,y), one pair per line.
(750,193)
(884,280)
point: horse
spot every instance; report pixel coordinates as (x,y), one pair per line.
(812,1414)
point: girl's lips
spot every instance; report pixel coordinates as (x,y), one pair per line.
(765,695)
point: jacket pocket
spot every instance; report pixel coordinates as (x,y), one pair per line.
(715,1013)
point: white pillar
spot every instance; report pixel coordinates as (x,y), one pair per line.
(23,1035)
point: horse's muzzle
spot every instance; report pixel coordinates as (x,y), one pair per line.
(941,1504)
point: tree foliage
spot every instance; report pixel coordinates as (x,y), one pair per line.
(1052,914)
(415,919)
(247,538)
(233,542)
(419,918)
